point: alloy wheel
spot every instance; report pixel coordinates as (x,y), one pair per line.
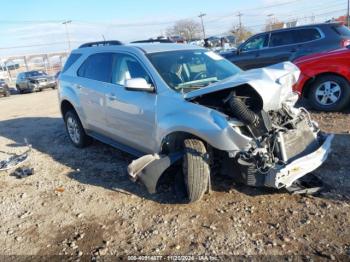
(328,93)
(73,130)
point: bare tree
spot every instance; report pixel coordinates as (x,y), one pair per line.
(241,33)
(273,25)
(187,28)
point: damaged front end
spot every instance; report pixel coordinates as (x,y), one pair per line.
(285,143)
(275,143)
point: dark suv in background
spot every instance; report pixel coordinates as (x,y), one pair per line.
(288,44)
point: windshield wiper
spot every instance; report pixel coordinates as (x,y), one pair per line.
(196,85)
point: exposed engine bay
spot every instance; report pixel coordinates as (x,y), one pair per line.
(278,137)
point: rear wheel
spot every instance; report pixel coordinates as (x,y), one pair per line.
(19,90)
(329,93)
(196,169)
(7,93)
(75,130)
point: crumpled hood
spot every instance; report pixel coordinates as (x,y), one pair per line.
(266,81)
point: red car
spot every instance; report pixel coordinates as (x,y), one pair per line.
(325,79)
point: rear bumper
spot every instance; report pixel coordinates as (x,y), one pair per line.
(286,175)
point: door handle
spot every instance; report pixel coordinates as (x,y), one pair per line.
(112,97)
(79,86)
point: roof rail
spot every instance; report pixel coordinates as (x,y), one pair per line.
(101,43)
(152,41)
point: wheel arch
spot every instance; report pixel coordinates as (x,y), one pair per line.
(172,141)
(308,84)
(66,106)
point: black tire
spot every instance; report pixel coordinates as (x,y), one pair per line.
(344,95)
(19,90)
(82,140)
(7,93)
(196,169)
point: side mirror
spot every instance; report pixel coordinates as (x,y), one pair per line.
(138,84)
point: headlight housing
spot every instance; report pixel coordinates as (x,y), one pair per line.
(287,80)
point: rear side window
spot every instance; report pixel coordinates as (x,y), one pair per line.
(70,61)
(342,30)
(283,38)
(98,67)
(306,35)
(294,37)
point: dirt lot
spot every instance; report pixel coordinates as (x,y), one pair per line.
(81,202)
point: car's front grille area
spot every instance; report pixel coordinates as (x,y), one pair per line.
(300,141)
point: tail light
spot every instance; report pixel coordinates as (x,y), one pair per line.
(345,42)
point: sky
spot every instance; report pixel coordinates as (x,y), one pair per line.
(35,26)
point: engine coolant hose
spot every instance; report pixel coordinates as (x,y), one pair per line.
(241,111)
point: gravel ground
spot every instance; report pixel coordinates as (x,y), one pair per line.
(81,202)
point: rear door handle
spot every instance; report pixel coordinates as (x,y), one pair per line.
(112,97)
(79,86)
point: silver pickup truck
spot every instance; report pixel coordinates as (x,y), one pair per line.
(172,104)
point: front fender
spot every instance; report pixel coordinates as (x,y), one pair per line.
(207,124)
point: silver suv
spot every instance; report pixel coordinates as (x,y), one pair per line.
(182,105)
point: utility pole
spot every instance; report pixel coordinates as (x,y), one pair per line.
(240,25)
(271,20)
(201,15)
(65,23)
(348,14)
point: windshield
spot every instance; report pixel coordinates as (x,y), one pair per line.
(186,70)
(35,73)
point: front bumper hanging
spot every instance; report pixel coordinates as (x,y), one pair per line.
(286,175)
(149,168)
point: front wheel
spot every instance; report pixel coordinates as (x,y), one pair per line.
(75,130)
(329,93)
(196,169)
